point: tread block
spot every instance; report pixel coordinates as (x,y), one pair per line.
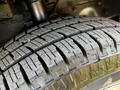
(109,40)
(20,35)
(13,46)
(82,27)
(9,59)
(66,22)
(52,36)
(89,19)
(16,55)
(54,26)
(25,50)
(31,74)
(41,41)
(71,52)
(20,52)
(40,31)
(26,38)
(3,53)
(112,48)
(2,86)
(32,45)
(70,21)
(32,29)
(6,63)
(115,35)
(38,44)
(88,46)
(106,23)
(114,23)
(8,43)
(44,24)
(2,65)
(95,24)
(67,31)
(14,77)
(103,43)
(35,72)
(69,17)
(53,60)
(56,20)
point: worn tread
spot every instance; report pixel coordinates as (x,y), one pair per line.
(52,55)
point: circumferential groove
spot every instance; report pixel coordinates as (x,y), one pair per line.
(24,74)
(41,60)
(5,83)
(99,44)
(81,48)
(115,43)
(62,55)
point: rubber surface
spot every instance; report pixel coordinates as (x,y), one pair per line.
(62,54)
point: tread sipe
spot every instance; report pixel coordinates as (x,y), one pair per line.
(62,54)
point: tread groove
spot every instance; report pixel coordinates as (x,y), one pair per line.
(1,71)
(63,55)
(43,64)
(115,43)
(24,74)
(81,48)
(11,55)
(5,83)
(41,61)
(99,44)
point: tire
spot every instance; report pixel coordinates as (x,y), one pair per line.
(63,54)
